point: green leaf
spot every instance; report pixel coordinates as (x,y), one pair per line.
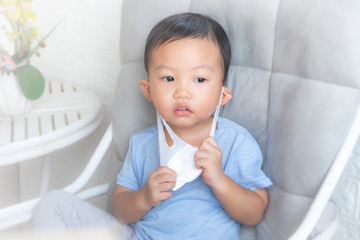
(31,81)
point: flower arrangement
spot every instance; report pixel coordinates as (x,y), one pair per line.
(24,36)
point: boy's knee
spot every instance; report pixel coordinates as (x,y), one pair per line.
(52,200)
(54,196)
(49,207)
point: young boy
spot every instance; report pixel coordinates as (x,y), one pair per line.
(187,57)
(177,182)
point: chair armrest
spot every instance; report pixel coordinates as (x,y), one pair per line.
(93,163)
(94,192)
(329,232)
(329,183)
(22,212)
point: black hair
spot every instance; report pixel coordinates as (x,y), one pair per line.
(185,25)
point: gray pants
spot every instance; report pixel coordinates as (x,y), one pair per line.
(60,210)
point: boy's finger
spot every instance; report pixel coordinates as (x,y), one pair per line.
(162,178)
(201,154)
(208,144)
(164,187)
(166,195)
(200,163)
(165,169)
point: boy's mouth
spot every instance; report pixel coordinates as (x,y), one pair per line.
(182,111)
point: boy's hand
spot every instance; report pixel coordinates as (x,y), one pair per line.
(209,158)
(158,184)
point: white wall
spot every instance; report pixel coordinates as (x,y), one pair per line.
(84,49)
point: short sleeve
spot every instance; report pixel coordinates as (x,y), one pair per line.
(245,164)
(127,176)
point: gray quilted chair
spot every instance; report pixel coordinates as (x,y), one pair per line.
(295,78)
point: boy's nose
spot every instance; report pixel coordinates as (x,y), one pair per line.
(182,92)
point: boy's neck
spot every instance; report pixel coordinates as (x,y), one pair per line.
(192,135)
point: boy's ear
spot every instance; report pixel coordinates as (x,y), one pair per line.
(226,96)
(145,87)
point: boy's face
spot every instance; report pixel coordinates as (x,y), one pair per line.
(185,81)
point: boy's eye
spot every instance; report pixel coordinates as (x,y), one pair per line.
(200,80)
(168,79)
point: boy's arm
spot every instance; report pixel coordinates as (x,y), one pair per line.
(130,206)
(240,203)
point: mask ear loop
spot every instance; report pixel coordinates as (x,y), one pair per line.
(216,115)
(168,128)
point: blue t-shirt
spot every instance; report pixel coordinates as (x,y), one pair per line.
(193,212)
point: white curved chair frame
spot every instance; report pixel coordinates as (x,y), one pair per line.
(22,212)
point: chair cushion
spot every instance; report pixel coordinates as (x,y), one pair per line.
(131,111)
(308,121)
(319,40)
(285,213)
(294,76)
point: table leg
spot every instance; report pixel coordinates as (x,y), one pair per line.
(45,175)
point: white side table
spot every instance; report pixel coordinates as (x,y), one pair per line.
(65,114)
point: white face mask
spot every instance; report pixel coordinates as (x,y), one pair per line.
(180,156)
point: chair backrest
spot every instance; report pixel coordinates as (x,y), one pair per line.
(295,79)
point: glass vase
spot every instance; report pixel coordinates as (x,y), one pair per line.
(12,100)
